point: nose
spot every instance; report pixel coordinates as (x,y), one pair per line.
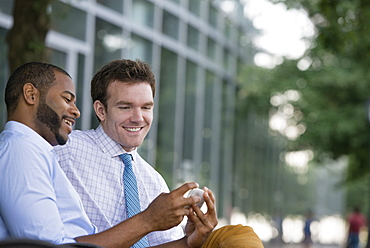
(75,112)
(136,115)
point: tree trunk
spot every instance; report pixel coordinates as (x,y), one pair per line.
(26,39)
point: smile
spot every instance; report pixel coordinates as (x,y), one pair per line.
(69,122)
(133,129)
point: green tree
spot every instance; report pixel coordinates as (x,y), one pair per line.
(334,90)
(26,39)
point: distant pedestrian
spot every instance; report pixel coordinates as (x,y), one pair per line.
(356,220)
(307,241)
(278,224)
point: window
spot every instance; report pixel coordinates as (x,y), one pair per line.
(112,4)
(212,18)
(194,7)
(141,49)
(6,7)
(207,129)
(230,62)
(193,38)
(58,58)
(211,49)
(143,12)
(108,43)
(187,164)
(170,25)
(81,88)
(175,1)
(228,29)
(64,18)
(166,118)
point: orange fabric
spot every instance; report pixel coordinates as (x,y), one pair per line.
(233,236)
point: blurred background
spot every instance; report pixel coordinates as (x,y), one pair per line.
(264,102)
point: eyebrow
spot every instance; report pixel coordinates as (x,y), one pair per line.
(69,93)
(149,103)
(125,102)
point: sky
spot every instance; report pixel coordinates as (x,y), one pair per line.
(282,31)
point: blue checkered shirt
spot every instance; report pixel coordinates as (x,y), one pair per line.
(91,161)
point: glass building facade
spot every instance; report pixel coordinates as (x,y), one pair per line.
(196,51)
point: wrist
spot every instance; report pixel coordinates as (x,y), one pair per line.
(146,223)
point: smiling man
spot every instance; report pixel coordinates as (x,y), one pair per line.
(40,101)
(126,120)
(123,99)
(37,201)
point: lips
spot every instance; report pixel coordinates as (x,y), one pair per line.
(133,129)
(70,122)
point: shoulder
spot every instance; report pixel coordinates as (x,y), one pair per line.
(20,155)
(82,136)
(78,139)
(12,139)
(79,142)
(20,146)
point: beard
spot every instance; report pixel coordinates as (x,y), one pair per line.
(51,119)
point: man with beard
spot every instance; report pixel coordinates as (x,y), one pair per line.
(36,199)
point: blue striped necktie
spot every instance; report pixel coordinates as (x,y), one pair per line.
(131,194)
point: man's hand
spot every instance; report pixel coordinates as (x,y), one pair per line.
(200,225)
(168,209)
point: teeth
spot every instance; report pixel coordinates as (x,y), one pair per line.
(68,122)
(133,129)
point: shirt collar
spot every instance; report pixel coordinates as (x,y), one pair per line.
(19,127)
(109,146)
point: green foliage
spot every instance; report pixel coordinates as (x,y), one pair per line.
(26,39)
(334,90)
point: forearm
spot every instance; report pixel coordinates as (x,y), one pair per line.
(122,235)
(165,212)
(181,243)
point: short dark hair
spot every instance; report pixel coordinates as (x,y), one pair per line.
(124,70)
(41,75)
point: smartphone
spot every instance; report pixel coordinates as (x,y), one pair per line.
(197,192)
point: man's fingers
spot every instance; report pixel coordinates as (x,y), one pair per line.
(184,188)
(198,212)
(210,193)
(210,201)
(176,197)
(194,216)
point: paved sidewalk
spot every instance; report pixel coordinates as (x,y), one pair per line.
(283,245)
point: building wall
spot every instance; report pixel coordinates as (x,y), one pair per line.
(195,50)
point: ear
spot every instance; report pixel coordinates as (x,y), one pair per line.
(30,93)
(99,110)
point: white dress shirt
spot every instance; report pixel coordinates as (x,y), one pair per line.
(37,201)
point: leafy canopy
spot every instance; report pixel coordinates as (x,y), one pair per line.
(330,116)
